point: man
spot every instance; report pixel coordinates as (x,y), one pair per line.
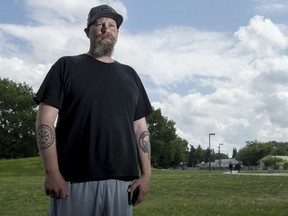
(230,167)
(93,156)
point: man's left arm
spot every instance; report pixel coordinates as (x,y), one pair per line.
(144,149)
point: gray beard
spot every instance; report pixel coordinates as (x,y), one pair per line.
(103,49)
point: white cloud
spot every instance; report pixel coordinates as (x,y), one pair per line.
(19,71)
(232,85)
(262,37)
(176,54)
(55,28)
(271,6)
(67,11)
(250,99)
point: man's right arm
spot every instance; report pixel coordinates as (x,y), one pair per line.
(55,185)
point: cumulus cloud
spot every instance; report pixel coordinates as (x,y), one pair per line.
(19,71)
(250,94)
(231,84)
(53,29)
(176,54)
(262,36)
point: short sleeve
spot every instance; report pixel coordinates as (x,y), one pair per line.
(51,90)
(144,107)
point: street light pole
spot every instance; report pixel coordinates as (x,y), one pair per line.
(210,134)
(274,148)
(219,156)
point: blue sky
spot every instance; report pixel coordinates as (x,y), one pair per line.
(212,66)
(219,15)
(200,14)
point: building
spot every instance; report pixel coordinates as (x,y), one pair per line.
(223,164)
(275,160)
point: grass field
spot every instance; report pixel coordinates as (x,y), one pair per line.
(172,192)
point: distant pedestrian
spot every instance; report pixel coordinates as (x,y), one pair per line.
(238,167)
(230,167)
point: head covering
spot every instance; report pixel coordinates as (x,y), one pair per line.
(103,11)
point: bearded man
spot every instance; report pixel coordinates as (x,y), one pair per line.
(91,128)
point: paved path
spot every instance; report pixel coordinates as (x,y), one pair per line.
(257,174)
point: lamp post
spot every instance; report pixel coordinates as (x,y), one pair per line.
(210,134)
(219,155)
(274,148)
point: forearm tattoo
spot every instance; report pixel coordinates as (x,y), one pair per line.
(45,136)
(144,142)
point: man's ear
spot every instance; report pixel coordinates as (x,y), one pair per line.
(86,30)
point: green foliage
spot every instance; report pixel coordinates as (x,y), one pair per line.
(272,160)
(192,160)
(167,149)
(171,192)
(268,160)
(180,151)
(17,114)
(199,155)
(196,156)
(254,151)
(234,153)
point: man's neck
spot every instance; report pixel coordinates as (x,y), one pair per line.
(105,59)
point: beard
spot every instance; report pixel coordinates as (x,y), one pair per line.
(103,45)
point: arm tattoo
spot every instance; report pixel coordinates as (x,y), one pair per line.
(45,136)
(145,143)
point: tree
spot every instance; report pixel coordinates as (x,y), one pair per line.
(180,151)
(17,117)
(234,153)
(223,156)
(207,155)
(167,149)
(270,160)
(200,155)
(254,151)
(251,153)
(192,161)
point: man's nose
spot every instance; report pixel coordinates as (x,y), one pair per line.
(105,28)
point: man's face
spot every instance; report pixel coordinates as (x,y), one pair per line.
(105,30)
(103,34)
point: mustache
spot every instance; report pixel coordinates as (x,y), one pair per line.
(104,35)
(101,36)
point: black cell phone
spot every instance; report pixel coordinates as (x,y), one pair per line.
(132,196)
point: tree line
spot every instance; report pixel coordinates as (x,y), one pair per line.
(251,154)
(168,150)
(17,117)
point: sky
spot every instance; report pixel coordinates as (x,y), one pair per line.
(211,66)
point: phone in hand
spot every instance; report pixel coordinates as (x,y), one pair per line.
(132,196)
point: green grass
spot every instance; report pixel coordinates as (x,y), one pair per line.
(21,188)
(203,193)
(172,192)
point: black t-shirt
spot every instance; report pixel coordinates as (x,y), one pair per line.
(98,103)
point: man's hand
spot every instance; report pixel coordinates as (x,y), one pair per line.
(142,185)
(56,186)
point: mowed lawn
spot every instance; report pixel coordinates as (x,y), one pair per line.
(172,192)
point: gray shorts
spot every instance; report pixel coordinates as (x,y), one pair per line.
(97,198)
